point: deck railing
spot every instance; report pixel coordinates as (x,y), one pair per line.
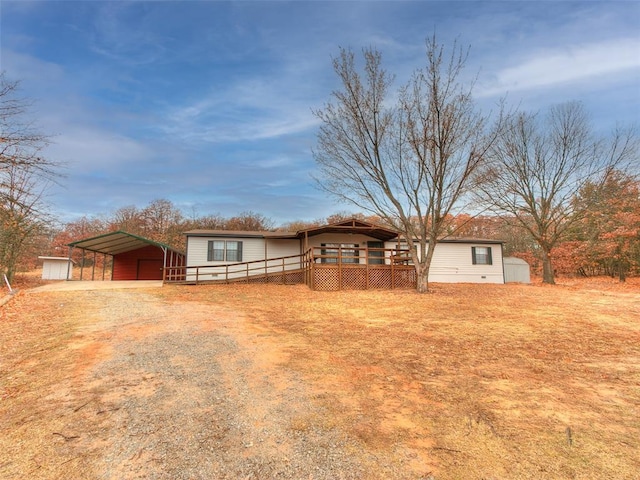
(322,268)
(256,270)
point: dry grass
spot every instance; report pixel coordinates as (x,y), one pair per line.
(470,381)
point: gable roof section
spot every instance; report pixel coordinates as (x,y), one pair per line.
(117,242)
(352,226)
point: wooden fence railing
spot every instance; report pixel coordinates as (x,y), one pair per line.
(258,271)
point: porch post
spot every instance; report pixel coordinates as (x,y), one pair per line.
(312,270)
(393,275)
(339,267)
(366,261)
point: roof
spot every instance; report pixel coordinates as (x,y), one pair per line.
(239,233)
(514,261)
(57,259)
(465,240)
(352,226)
(469,240)
(348,226)
(117,242)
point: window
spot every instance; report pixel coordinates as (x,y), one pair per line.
(481,256)
(348,252)
(234,251)
(220,251)
(376,257)
(215,251)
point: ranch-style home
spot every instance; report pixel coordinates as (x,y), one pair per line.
(352,254)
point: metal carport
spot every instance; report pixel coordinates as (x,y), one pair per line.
(133,257)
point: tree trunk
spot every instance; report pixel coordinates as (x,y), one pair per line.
(547,268)
(423,265)
(422,279)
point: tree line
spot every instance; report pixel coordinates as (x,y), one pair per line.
(605,241)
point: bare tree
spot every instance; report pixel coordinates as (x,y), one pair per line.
(406,158)
(162,220)
(249,221)
(24,176)
(22,216)
(538,165)
(129,219)
(20,143)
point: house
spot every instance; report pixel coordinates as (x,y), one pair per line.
(352,254)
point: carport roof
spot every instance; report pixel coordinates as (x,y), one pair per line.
(117,242)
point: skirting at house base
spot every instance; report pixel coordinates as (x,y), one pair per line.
(362,277)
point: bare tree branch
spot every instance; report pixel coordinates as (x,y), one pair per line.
(25,176)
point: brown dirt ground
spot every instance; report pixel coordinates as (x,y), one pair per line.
(470,381)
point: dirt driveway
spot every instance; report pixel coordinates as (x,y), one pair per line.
(141,388)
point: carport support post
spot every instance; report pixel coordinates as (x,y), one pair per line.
(93,268)
(104,264)
(164,264)
(69,263)
(82,265)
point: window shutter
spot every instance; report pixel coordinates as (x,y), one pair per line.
(209,250)
(239,251)
(489,259)
(473,255)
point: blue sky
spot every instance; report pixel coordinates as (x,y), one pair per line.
(209,103)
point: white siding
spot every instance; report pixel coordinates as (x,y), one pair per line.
(282,248)
(253,250)
(453,263)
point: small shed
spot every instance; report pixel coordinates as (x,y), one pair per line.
(516,270)
(56,268)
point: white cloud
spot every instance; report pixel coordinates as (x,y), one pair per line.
(88,149)
(251,109)
(571,64)
(37,72)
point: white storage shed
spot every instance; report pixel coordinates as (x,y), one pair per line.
(516,270)
(56,268)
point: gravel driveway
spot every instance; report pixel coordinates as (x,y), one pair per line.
(186,391)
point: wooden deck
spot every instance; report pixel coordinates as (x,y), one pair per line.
(366,269)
